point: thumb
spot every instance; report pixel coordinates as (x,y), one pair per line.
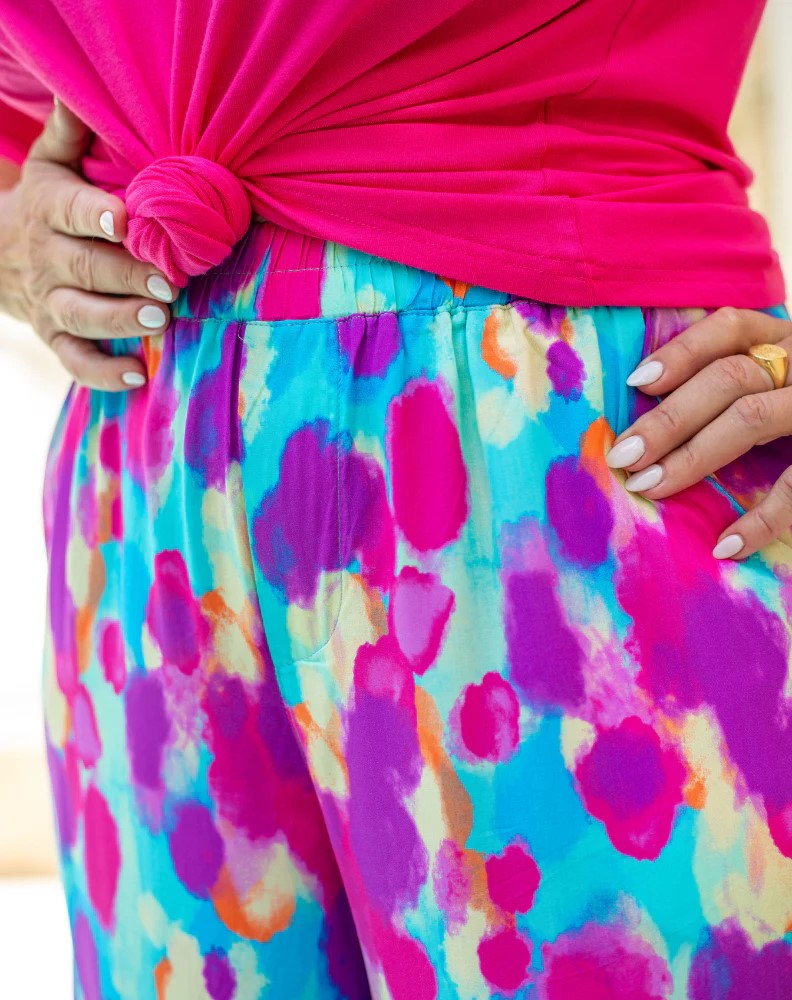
(64,139)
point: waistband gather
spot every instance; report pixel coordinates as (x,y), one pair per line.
(275,273)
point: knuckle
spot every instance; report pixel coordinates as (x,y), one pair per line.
(687,457)
(118,324)
(732,374)
(668,418)
(129,276)
(83,266)
(39,199)
(71,210)
(752,410)
(783,487)
(48,313)
(37,257)
(687,352)
(70,315)
(766,528)
(731,317)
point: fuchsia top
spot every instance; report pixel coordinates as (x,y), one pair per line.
(573,152)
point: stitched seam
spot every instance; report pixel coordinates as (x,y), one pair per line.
(406,311)
(419,310)
(297,734)
(336,430)
(584,261)
(623,266)
(243,491)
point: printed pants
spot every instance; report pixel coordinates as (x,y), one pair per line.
(365,676)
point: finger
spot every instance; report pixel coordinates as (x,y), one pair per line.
(72,206)
(64,138)
(751,420)
(97,266)
(91,367)
(724,332)
(688,409)
(763,524)
(97,317)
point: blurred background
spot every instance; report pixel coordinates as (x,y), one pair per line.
(32,389)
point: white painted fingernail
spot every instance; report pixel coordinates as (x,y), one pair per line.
(133,378)
(649,371)
(159,288)
(728,546)
(106,222)
(55,100)
(151,316)
(645,479)
(626,452)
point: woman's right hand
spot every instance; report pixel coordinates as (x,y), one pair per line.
(66,275)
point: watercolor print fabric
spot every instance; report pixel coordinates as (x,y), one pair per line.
(366,677)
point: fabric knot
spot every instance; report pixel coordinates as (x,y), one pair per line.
(185,213)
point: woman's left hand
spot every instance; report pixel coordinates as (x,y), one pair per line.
(718,403)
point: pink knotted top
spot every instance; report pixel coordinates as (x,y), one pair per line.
(186,213)
(573,151)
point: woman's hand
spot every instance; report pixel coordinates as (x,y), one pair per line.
(718,403)
(60,270)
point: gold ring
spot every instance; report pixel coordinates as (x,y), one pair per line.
(774,359)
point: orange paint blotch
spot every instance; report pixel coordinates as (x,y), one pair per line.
(695,793)
(219,615)
(457,806)
(475,865)
(329,737)
(240,915)
(162,974)
(214,606)
(596,441)
(152,354)
(373,605)
(492,352)
(104,513)
(459,289)
(86,615)
(566,330)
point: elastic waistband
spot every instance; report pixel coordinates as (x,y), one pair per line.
(275,274)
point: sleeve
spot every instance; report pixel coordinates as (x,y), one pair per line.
(17,132)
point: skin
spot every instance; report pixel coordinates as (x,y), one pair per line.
(59,271)
(718,403)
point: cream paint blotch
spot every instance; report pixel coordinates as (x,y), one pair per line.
(254,392)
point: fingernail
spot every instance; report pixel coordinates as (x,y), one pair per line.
(728,546)
(151,316)
(626,452)
(649,371)
(645,479)
(133,378)
(55,101)
(106,222)
(159,288)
